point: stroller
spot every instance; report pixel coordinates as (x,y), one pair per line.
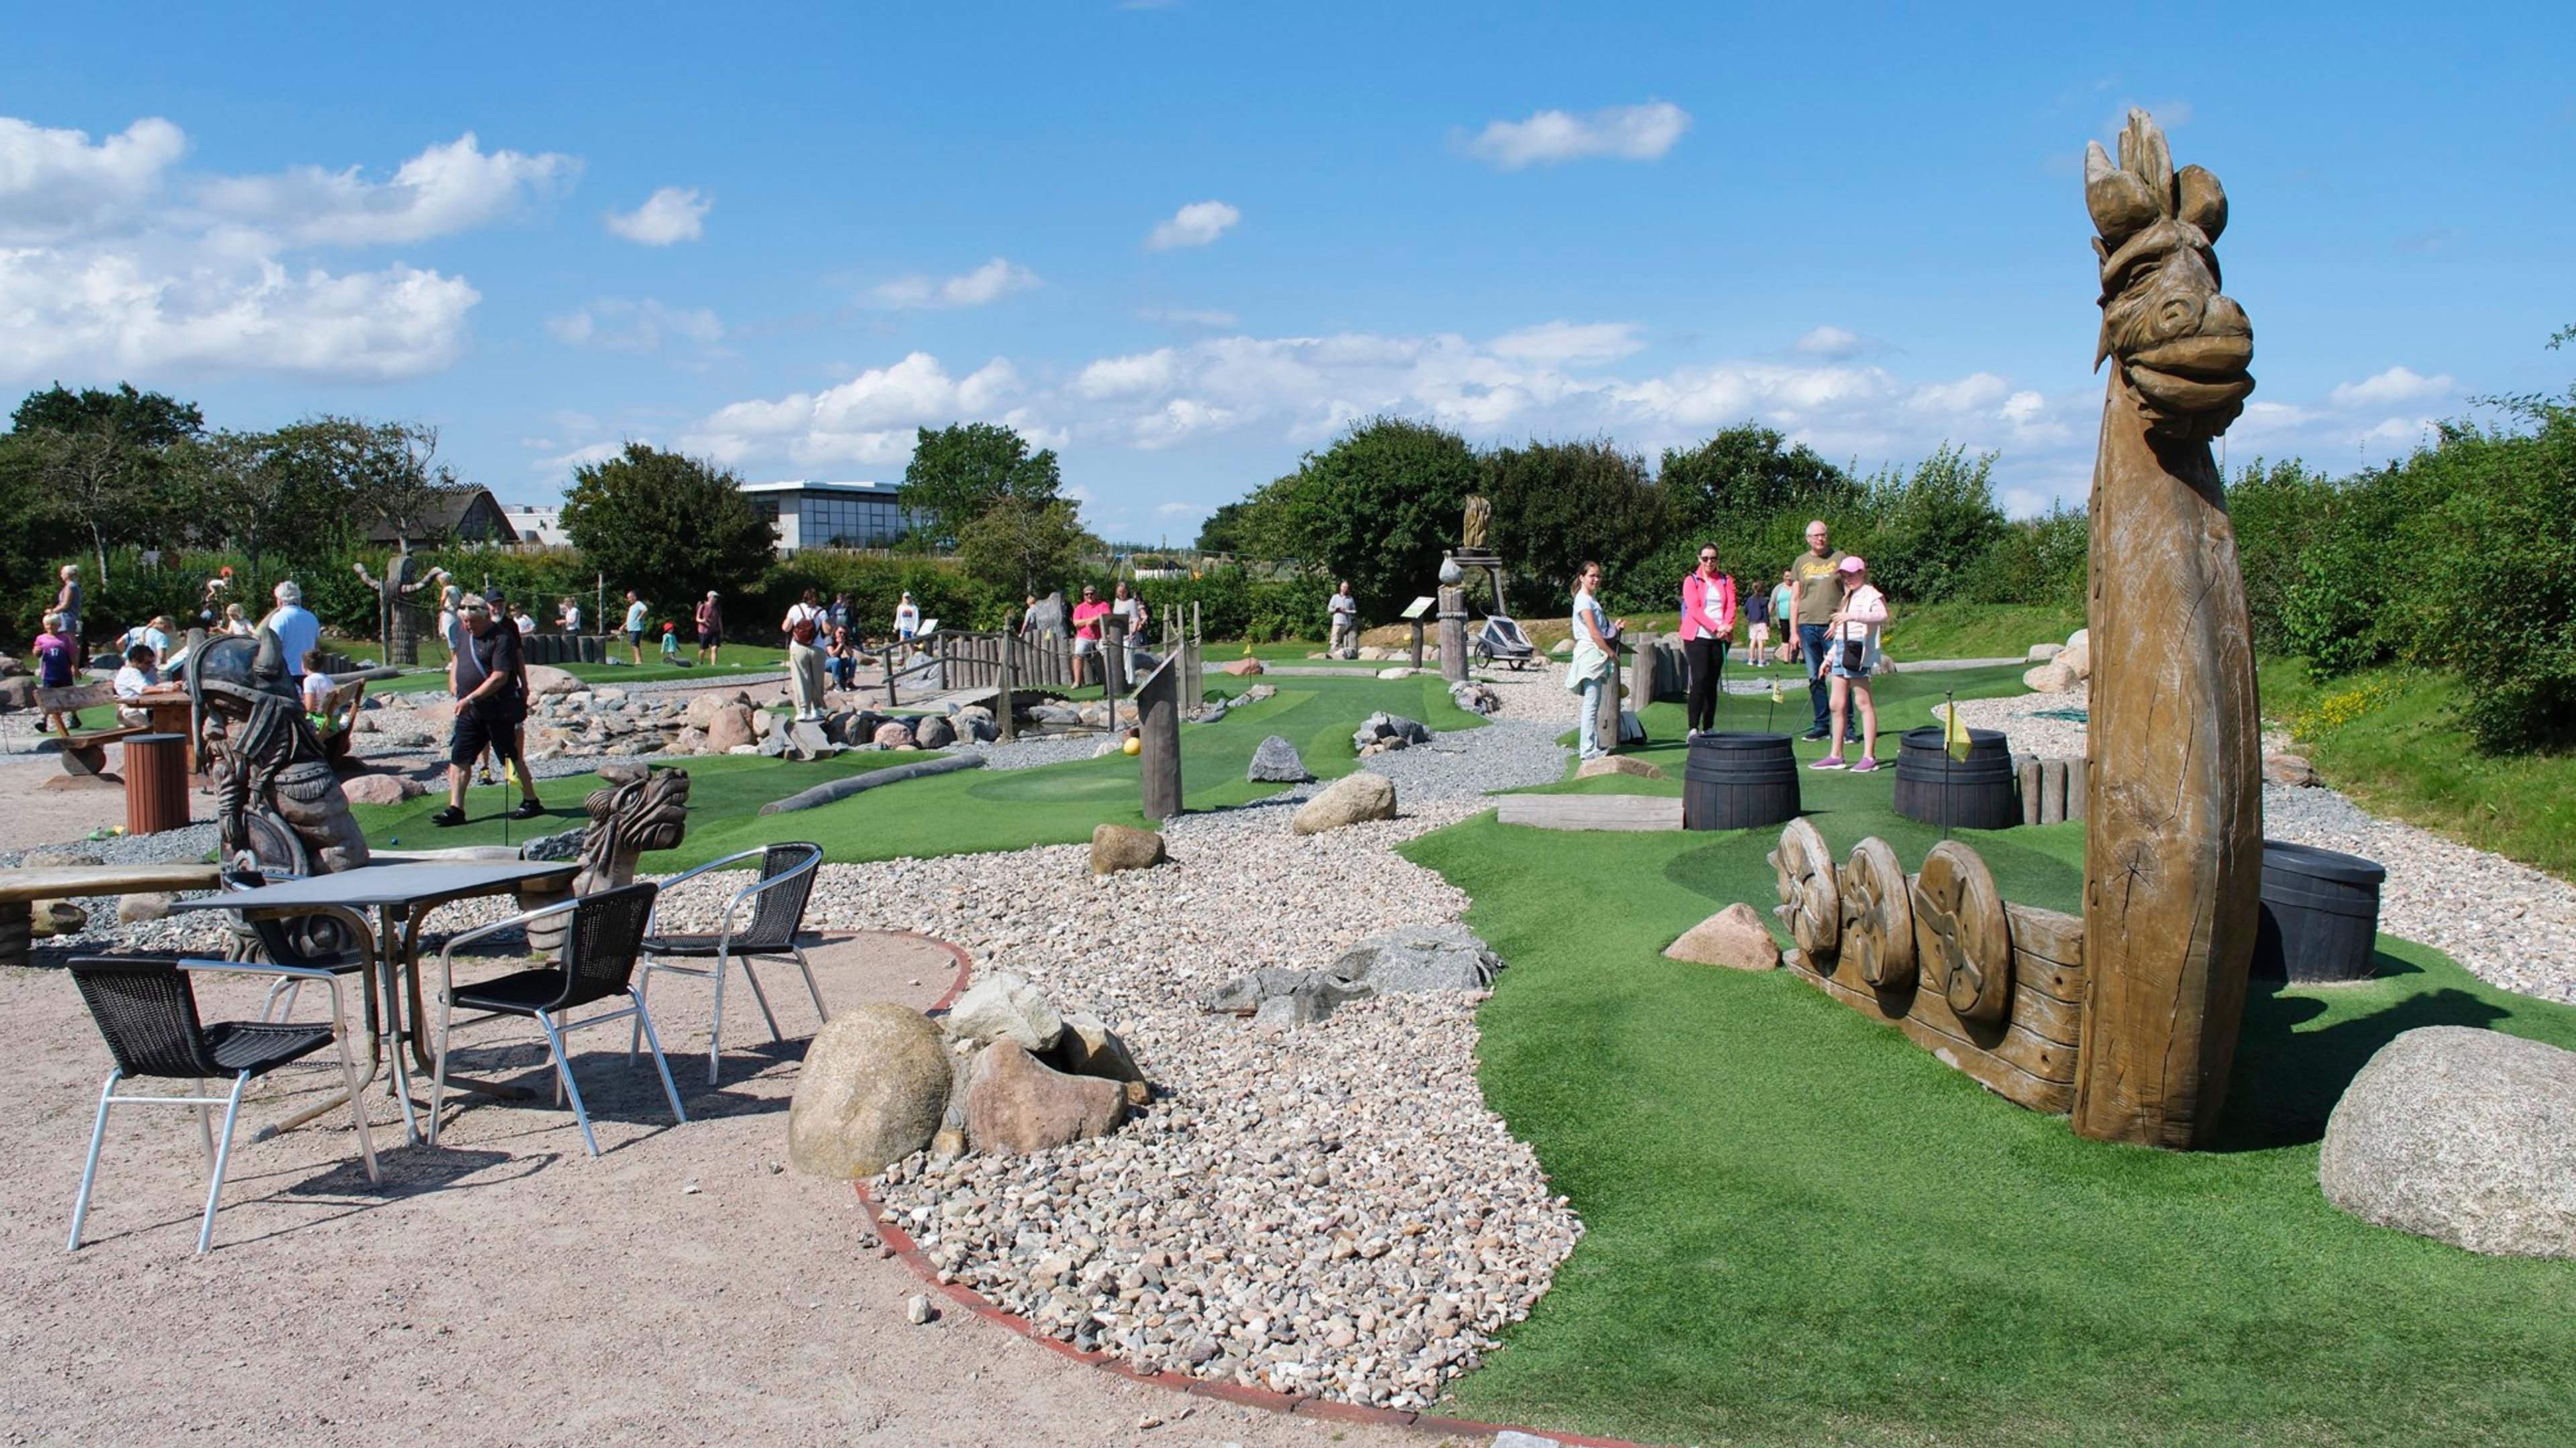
(1502,640)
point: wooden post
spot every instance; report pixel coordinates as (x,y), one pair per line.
(1607,720)
(1113,662)
(1002,708)
(1453,633)
(1641,673)
(1158,708)
(1417,643)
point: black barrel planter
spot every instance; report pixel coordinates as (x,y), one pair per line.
(2320,914)
(1975,793)
(1739,781)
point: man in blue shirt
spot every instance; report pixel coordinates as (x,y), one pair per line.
(298,631)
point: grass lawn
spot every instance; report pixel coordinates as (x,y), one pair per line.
(2391,739)
(1802,1228)
(969,811)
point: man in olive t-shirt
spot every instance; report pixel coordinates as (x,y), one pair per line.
(1818,595)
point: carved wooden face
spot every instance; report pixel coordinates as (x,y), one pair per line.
(2183,347)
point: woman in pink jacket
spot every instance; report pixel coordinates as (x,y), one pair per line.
(1708,623)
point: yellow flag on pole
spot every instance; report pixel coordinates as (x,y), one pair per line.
(1775,690)
(1954,731)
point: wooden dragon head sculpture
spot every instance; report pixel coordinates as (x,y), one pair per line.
(2182,347)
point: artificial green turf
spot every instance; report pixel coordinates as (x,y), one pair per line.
(1803,1228)
(968,811)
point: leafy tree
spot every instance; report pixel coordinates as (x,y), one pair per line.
(666,525)
(1376,507)
(1016,545)
(1934,526)
(102,458)
(1557,504)
(1226,529)
(1751,492)
(959,471)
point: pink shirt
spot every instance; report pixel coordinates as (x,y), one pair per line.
(1695,607)
(1086,619)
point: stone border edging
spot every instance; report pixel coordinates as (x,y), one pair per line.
(1301,1405)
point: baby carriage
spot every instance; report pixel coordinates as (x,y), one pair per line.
(1501,640)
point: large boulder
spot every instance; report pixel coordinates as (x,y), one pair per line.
(1005,1007)
(870,1091)
(1120,847)
(704,708)
(2042,653)
(729,729)
(2052,677)
(1418,958)
(1350,800)
(1018,1103)
(1626,764)
(382,788)
(1275,761)
(18,693)
(2077,656)
(806,739)
(2291,769)
(1242,668)
(2463,1135)
(976,725)
(893,734)
(1734,937)
(545,679)
(933,731)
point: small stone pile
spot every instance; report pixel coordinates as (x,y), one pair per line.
(1419,958)
(1383,733)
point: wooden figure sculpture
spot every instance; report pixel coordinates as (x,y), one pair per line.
(393,604)
(634,811)
(276,797)
(2173,842)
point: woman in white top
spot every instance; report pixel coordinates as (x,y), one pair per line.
(1130,610)
(1596,657)
(1851,642)
(803,627)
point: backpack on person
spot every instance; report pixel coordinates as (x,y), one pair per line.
(802,630)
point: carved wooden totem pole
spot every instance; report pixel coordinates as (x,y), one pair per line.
(393,603)
(2173,843)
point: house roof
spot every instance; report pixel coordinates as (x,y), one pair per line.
(468,512)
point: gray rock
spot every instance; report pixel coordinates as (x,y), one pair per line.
(142,905)
(1275,760)
(806,739)
(1383,725)
(933,731)
(976,725)
(1349,801)
(563,846)
(1003,1006)
(1475,698)
(869,1093)
(2466,1136)
(1419,958)
(892,734)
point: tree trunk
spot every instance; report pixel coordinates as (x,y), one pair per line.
(2173,851)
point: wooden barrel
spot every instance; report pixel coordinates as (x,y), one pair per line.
(156,783)
(1976,793)
(2320,916)
(1739,781)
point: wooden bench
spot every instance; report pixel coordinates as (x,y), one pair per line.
(20,889)
(84,750)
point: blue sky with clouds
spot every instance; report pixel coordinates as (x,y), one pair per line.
(1184,243)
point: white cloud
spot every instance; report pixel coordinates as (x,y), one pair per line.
(1629,133)
(582,457)
(139,310)
(121,265)
(1183,510)
(616,324)
(990,282)
(869,419)
(445,189)
(54,184)
(2391,388)
(672,214)
(1196,224)
(1835,342)
(1569,342)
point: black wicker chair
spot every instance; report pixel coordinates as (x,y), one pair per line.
(599,954)
(779,897)
(146,1009)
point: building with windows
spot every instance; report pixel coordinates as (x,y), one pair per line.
(538,526)
(810,514)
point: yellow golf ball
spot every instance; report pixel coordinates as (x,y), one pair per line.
(1135,745)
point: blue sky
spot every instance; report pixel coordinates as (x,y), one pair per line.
(1184,243)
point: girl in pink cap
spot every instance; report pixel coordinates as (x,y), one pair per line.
(1852,649)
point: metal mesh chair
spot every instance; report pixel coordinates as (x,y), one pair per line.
(778,899)
(599,954)
(146,1009)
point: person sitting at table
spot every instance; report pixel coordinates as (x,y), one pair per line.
(131,681)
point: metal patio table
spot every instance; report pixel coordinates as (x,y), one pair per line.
(401,896)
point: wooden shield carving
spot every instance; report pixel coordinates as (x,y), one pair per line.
(1961,936)
(1878,916)
(1810,903)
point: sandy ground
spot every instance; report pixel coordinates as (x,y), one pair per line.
(505,1287)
